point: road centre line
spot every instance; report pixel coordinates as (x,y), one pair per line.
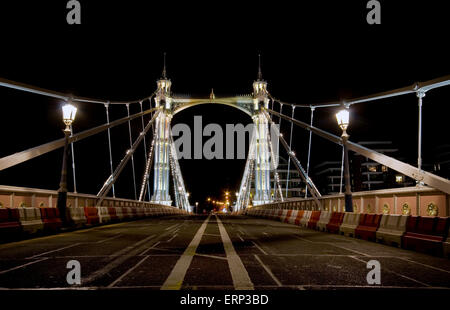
(176,277)
(239,274)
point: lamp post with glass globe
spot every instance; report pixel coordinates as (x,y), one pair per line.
(69,112)
(342,118)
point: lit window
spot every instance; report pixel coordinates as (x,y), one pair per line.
(372,168)
(399,178)
(384,168)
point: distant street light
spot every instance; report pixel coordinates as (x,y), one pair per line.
(196,207)
(69,111)
(343,120)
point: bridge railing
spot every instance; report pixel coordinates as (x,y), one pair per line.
(423,201)
(14,197)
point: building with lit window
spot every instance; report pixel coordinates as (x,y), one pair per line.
(366,174)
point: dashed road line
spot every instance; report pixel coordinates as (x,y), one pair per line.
(269,272)
(176,276)
(128,272)
(425,265)
(396,273)
(239,274)
(24,265)
(131,251)
(52,251)
(259,248)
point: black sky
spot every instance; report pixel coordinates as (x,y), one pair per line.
(310,53)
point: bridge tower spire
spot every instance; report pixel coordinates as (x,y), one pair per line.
(259,68)
(261,145)
(163,101)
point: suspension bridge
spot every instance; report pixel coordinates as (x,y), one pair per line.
(269,240)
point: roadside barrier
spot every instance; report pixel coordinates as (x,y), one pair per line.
(91,214)
(9,222)
(392,228)
(349,224)
(103,215)
(335,222)
(76,217)
(368,226)
(50,218)
(323,220)
(30,220)
(315,216)
(426,234)
(305,219)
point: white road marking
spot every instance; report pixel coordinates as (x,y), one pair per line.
(267,269)
(211,256)
(128,272)
(21,266)
(259,248)
(425,265)
(397,274)
(109,239)
(239,236)
(150,248)
(52,251)
(239,274)
(299,287)
(173,237)
(132,251)
(173,226)
(332,244)
(176,276)
(214,235)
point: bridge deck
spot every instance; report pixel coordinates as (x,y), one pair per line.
(155,253)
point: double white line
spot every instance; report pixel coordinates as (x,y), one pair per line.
(241,279)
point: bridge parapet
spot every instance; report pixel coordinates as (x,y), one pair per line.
(15,197)
(423,201)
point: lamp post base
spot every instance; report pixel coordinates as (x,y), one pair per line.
(348,203)
(62,206)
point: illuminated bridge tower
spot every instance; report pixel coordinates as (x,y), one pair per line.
(261,145)
(163,101)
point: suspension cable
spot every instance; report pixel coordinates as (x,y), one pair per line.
(145,148)
(274,167)
(132,156)
(289,158)
(115,175)
(309,148)
(23,156)
(314,191)
(109,147)
(146,177)
(59,95)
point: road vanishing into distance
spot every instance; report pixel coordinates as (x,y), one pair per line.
(212,252)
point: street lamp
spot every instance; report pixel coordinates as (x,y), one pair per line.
(196,207)
(343,118)
(69,111)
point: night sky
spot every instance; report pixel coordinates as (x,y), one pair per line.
(311,53)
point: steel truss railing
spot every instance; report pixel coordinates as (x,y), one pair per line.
(397,165)
(245,187)
(23,156)
(113,177)
(309,183)
(180,190)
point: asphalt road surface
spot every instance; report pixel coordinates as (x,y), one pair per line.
(211,252)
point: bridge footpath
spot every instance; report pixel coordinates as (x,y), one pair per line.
(213,252)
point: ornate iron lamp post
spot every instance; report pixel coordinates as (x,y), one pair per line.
(69,112)
(343,118)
